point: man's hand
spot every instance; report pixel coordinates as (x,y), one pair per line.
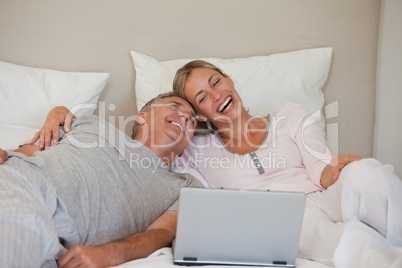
(3,156)
(83,256)
(58,116)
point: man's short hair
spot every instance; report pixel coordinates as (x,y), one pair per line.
(151,105)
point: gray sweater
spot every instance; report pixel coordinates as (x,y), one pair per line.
(108,186)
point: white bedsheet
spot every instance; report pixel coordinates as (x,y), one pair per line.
(340,238)
(164,258)
(315,219)
(361,246)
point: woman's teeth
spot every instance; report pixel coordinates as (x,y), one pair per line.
(225,105)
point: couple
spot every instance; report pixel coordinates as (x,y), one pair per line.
(240,135)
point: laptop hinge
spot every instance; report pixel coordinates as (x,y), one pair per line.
(279,263)
(189,259)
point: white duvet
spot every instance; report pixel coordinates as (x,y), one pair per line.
(164,258)
(345,242)
(360,246)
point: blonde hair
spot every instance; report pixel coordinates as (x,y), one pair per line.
(184,72)
(179,82)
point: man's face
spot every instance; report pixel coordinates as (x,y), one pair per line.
(171,123)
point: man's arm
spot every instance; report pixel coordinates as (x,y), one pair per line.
(139,245)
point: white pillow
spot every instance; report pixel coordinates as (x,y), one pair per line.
(13,136)
(28,94)
(265,83)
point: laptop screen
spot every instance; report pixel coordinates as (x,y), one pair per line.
(238,227)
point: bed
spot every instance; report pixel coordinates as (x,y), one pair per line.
(109,57)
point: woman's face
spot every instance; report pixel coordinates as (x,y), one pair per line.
(213,95)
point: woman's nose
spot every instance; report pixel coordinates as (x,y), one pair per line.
(215,95)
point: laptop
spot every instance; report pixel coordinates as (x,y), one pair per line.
(238,227)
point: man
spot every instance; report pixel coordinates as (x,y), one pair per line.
(98,188)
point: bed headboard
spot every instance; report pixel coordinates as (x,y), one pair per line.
(97,35)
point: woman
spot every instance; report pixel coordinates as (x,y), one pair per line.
(255,140)
(284,152)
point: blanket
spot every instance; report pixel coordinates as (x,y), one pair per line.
(362,246)
(164,258)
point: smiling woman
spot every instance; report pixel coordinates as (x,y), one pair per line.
(298,148)
(213,95)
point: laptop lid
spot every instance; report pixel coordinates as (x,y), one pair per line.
(238,227)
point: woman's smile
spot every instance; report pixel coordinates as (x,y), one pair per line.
(226,106)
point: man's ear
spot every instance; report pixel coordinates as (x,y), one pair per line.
(140,118)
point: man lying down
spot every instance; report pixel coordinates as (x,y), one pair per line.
(93,187)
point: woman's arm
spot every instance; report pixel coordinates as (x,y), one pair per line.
(330,173)
(139,245)
(315,153)
(58,116)
(26,149)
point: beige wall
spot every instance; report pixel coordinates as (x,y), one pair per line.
(97,35)
(388,126)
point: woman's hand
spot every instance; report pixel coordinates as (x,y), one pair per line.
(331,172)
(338,162)
(58,116)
